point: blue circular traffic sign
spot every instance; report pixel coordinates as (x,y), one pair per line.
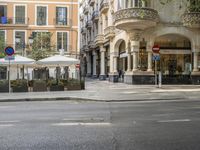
(9,50)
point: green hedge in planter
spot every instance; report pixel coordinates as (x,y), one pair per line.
(55,85)
(39,85)
(4,86)
(73,84)
(19,85)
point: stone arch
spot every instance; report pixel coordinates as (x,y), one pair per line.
(117,45)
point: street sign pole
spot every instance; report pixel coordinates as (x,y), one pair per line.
(9,87)
(156,73)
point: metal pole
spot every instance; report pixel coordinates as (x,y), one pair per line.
(160,79)
(156,73)
(9,77)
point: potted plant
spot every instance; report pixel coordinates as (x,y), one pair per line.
(19,85)
(4,86)
(39,85)
(55,85)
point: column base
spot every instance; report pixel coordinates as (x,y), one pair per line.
(195,77)
(140,77)
(113,77)
(102,77)
(88,75)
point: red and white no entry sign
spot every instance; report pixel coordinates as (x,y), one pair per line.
(156,48)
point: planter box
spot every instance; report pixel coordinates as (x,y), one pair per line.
(20,89)
(56,88)
(4,87)
(73,87)
(39,86)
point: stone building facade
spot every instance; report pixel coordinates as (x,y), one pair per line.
(117,37)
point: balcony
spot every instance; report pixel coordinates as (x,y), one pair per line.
(109,32)
(91,2)
(64,22)
(91,44)
(86,9)
(95,16)
(99,39)
(85,48)
(191,19)
(89,24)
(135,18)
(83,30)
(11,21)
(104,6)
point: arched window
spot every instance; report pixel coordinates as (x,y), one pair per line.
(123,4)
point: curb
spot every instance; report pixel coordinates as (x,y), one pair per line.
(87,100)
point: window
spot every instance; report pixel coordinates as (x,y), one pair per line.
(20,15)
(3,14)
(61,15)
(62,40)
(2,42)
(41,15)
(19,46)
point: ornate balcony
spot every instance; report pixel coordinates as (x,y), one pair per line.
(191,20)
(91,2)
(95,16)
(91,44)
(81,17)
(85,48)
(99,39)
(104,6)
(86,9)
(135,18)
(109,32)
(89,24)
(83,30)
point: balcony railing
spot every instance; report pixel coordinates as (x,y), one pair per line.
(191,19)
(62,22)
(99,39)
(17,21)
(95,16)
(104,6)
(91,44)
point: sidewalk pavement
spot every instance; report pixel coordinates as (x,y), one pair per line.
(104,91)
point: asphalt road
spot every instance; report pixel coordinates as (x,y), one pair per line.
(62,125)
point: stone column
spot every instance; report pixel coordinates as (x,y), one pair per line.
(89,71)
(129,62)
(94,74)
(149,61)
(195,62)
(115,63)
(135,61)
(102,74)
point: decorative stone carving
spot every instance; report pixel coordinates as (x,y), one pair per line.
(109,32)
(137,13)
(191,19)
(135,35)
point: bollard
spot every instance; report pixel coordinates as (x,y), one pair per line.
(160,80)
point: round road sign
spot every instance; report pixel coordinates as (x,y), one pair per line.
(9,50)
(156,48)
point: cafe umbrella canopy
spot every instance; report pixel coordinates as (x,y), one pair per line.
(17,61)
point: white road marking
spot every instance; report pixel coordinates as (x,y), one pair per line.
(10,121)
(6,125)
(82,124)
(178,120)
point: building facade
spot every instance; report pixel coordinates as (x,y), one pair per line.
(24,19)
(117,37)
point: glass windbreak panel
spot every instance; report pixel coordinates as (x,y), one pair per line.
(20,15)
(19,46)
(41,15)
(61,16)
(3,14)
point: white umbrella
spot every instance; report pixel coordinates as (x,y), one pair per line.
(19,60)
(58,60)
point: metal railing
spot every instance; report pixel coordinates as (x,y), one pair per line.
(14,21)
(62,22)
